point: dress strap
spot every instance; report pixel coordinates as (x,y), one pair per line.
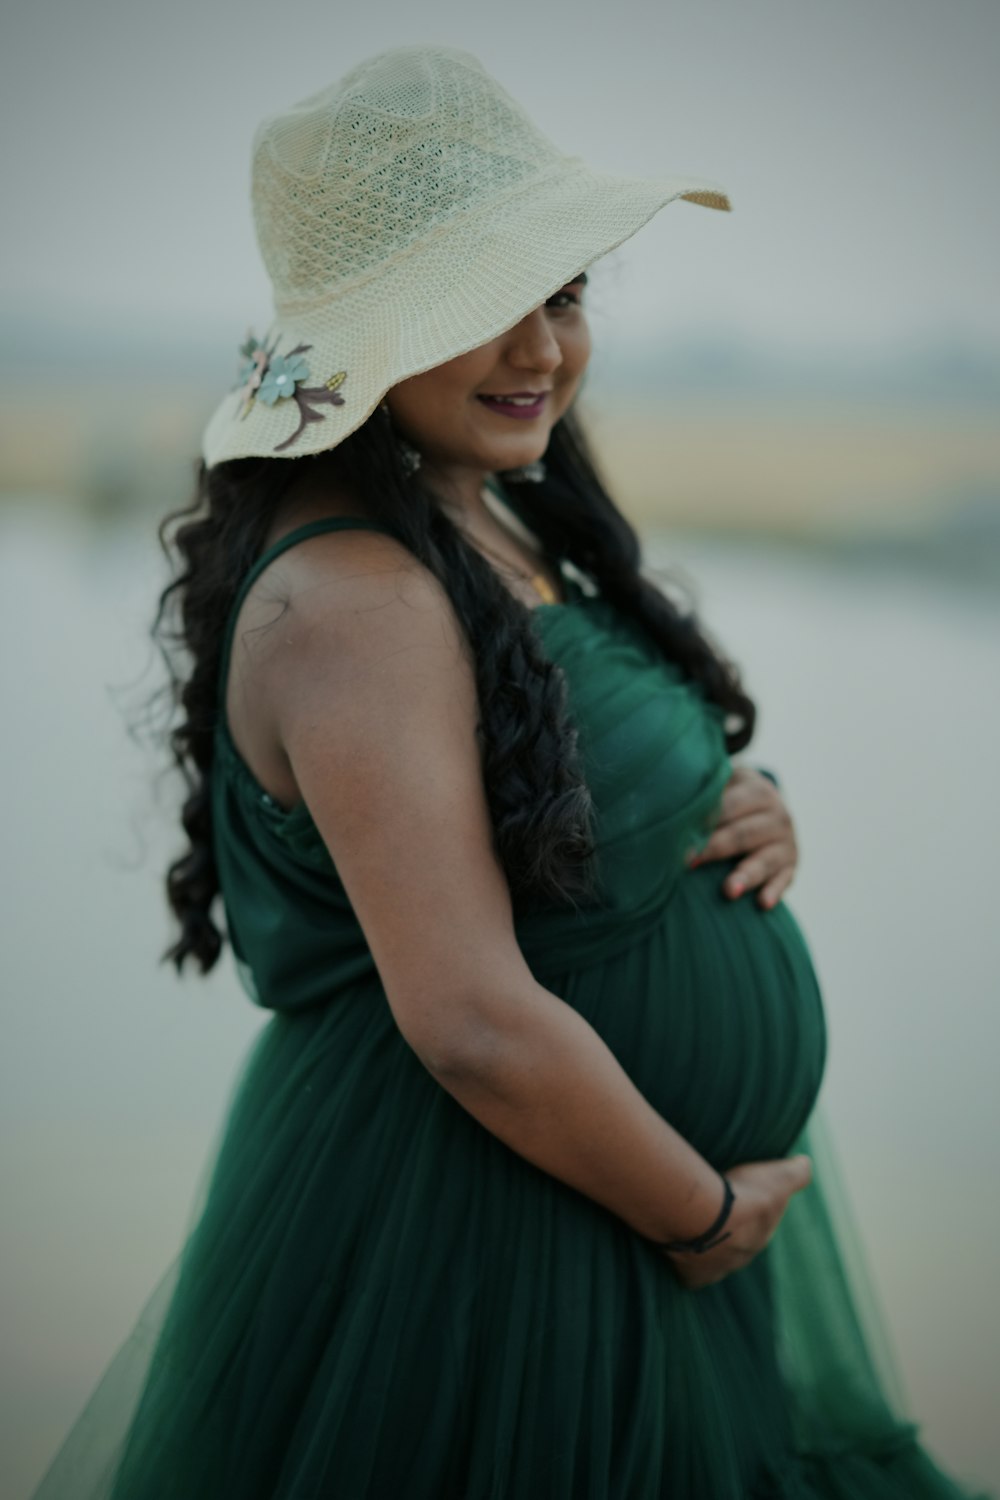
(300,534)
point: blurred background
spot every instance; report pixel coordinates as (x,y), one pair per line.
(797,404)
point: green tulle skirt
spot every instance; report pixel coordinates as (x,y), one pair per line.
(378,1298)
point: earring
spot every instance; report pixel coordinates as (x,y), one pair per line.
(527,474)
(409,456)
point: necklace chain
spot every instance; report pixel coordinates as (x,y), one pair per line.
(538,581)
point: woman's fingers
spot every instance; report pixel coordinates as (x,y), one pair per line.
(745,834)
(754,822)
(746,790)
(775,888)
(771,864)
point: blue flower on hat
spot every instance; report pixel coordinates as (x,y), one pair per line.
(271,377)
(283,373)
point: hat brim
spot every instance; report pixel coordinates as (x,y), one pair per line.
(472,281)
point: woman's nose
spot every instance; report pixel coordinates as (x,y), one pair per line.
(532,343)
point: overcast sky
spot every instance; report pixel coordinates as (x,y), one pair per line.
(858,140)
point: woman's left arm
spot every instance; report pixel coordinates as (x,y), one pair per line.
(753,820)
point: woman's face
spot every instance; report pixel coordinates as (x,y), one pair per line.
(443,413)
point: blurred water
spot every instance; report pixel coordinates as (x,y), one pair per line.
(879,710)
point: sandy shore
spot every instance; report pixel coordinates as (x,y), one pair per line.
(804,468)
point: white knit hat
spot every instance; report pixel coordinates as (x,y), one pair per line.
(407,214)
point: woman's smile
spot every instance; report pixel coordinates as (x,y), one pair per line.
(527,375)
(525,407)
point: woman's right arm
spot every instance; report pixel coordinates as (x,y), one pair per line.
(372,694)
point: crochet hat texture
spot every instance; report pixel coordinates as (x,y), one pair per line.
(405,215)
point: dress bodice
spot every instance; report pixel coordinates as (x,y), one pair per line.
(653,754)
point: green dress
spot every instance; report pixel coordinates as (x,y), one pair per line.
(379,1300)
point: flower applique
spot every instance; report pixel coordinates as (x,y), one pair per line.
(271,377)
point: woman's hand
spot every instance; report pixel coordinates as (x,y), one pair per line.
(761,1192)
(753,821)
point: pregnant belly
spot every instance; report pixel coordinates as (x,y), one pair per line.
(717,1017)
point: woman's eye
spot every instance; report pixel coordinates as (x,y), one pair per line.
(572,298)
(572,291)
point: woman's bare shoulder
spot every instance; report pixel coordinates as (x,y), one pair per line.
(335,573)
(334,603)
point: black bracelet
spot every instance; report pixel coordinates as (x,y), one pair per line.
(711,1236)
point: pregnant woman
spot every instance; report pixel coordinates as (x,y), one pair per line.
(521,1194)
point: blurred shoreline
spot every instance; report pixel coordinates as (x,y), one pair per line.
(888,458)
(915,488)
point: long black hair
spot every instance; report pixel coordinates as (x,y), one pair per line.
(538,799)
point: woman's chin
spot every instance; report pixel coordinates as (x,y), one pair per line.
(517,456)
